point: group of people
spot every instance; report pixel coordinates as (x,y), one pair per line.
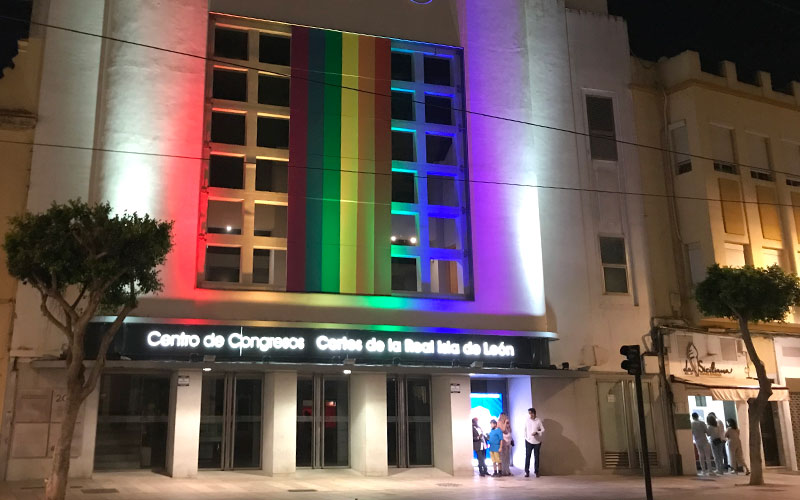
(499,443)
(710,439)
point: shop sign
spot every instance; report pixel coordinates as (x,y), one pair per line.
(693,365)
(175,341)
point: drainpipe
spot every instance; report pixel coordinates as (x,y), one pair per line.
(668,409)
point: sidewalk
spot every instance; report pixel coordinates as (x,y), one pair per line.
(409,484)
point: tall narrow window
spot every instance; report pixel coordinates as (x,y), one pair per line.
(602,134)
(758,154)
(680,150)
(722,150)
(615,264)
(734,255)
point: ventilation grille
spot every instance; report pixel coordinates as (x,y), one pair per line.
(616,460)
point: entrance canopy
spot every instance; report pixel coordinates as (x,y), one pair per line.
(733,389)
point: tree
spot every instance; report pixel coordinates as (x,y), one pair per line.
(83,261)
(748,294)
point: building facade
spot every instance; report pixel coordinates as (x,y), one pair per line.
(20,64)
(724,154)
(380,230)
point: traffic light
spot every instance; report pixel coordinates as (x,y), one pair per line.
(633,363)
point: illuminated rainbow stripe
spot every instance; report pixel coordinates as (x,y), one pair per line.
(339,221)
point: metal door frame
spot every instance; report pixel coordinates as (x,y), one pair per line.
(229,419)
(401,404)
(318,420)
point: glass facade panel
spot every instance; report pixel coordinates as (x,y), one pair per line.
(132,418)
(272,175)
(270,220)
(222,264)
(230,85)
(444,233)
(273,90)
(226,172)
(224,217)
(273,133)
(274,49)
(229,43)
(227,128)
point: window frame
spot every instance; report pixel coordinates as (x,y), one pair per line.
(604,265)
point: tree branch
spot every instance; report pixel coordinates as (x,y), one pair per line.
(49,315)
(105,342)
(80,296)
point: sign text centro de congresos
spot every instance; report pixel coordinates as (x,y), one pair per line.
(238,341)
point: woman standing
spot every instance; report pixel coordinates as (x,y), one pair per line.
(505,452)
(735,451)
(717,444)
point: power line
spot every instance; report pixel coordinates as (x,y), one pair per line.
(475,113)
(470,181)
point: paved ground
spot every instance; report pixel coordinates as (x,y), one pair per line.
(413,484)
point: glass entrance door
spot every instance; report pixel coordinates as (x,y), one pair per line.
(408,418)
(132,420)
(323,422)
(230,422)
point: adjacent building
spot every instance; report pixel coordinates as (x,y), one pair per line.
(721,166)
(20,63)
(389,218)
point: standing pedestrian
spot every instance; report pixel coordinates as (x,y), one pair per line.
(717,444)
(508,442)
(735,451)
(533,441)
(495,445)
(479,447)
(700,436)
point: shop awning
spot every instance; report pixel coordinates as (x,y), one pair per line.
(733,389)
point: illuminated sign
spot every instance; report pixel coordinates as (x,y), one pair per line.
(241,342)
(238,343)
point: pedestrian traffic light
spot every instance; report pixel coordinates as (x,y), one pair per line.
(633,363)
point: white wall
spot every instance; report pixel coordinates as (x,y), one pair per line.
(368,447)
(183,431)
(279,438)
(519,400)
(452,436)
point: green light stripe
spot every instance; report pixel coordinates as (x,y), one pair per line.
(331,180)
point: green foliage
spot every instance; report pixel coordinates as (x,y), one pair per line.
(86,247)
(754,294)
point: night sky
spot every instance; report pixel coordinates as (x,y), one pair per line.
(755,34)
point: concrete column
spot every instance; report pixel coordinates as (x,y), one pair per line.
(368,448)
(183,436)
(452,429)
(279,437)
(519,400)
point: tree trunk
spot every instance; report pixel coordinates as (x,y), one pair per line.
(756,406)
(56,486)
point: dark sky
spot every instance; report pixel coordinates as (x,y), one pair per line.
(755,34)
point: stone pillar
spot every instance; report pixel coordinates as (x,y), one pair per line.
(279,438)
(368,447)
(183,436)
(452,429)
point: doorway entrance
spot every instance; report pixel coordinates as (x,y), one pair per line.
(230,422)
(619,424)
(408,419)
(323,421)
(770,435)
(132,417)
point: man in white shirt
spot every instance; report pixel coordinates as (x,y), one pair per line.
(533,441)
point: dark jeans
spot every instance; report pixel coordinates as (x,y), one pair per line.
(481,461)
(529,447)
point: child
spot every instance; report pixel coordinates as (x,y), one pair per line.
(495,445)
